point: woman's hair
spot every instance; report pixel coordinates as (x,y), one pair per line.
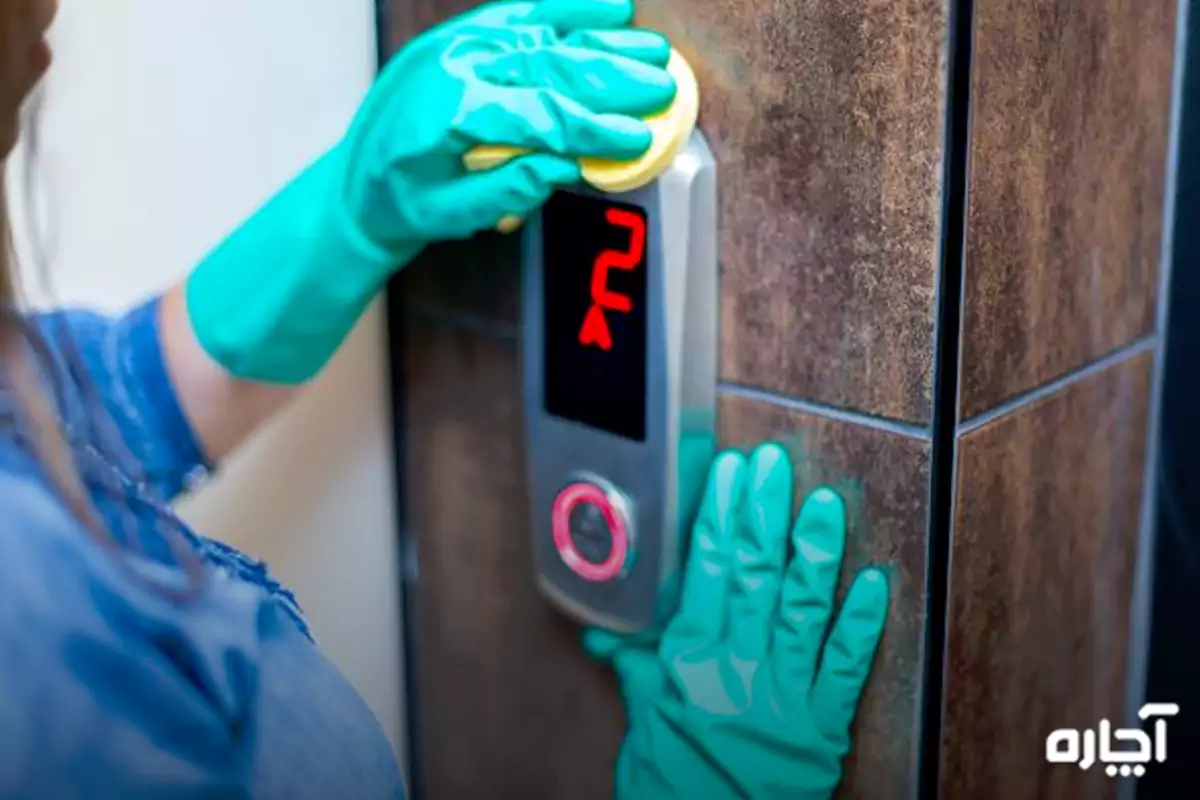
(21,373)
(29,371)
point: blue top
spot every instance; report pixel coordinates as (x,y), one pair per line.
(108,687)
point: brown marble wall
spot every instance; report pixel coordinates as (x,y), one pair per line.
(507,704)
(884,477)
(1070,113)
(826,119)
(1070,105)
(1046,523)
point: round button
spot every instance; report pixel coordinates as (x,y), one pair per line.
(591,532)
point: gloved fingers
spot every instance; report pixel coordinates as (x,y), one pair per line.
(648,47)
(806,598)
(643,684)
(604,83)
(643,46)
(848,655)
(572,15)
(602,645)
(635,663)
(478,201)
(545,121)
(760,550)
(701,617)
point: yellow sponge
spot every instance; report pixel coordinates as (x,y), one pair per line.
(670,129)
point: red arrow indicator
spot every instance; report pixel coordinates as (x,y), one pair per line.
(595,329)
(595,326)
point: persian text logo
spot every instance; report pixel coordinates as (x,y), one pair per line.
(1069,746)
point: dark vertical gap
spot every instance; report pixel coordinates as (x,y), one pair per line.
(957,148)
(383,31)
(398,403)
(406,551)
(1175,520)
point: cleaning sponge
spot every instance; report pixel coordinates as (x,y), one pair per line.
(670,129)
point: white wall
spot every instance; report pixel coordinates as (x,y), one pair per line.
(166,122)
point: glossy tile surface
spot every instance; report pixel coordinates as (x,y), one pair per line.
(884,479)
(1071,106)
(1044,546)
(506,703)
(826,121)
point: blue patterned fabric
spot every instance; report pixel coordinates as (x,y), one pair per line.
(110,687)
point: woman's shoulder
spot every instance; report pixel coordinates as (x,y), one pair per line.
(100,671)
(52,570)
(57,577)
(35,525)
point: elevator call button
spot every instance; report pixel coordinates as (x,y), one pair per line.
(619,356)
(590,525)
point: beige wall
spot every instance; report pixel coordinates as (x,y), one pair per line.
(167,122)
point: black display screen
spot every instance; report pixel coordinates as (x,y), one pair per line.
(594,311)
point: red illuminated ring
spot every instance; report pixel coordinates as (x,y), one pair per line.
(560,524)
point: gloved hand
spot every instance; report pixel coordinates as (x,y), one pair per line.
(565,78)
(740,699)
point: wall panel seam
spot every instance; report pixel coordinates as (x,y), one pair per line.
(491,329)
(816,409)
(1132,350)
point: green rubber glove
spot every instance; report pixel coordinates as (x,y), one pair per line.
(743,697)
(566,78)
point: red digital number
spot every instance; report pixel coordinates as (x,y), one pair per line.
(595,327)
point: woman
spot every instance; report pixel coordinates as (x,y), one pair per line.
(138,659)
